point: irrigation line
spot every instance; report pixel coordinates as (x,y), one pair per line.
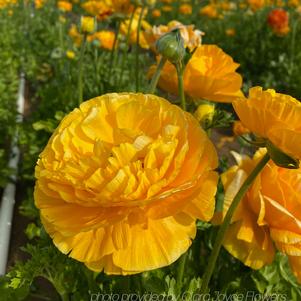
(8,198)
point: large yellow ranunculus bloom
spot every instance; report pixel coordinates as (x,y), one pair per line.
(273,116)
(268,217)
(122,181)
(209,74)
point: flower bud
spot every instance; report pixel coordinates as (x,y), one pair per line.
(204,113)
(87,24)
(171,46)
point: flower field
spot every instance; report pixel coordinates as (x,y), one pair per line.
(149,150)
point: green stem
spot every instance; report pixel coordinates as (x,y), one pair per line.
(180,71)
(80,70)
(137,48)
(113,52)
(156,75)
(224,227)
(64,296)
(127,43)
(181,268)
(293,42)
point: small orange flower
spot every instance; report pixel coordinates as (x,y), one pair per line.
(64,6)
(185,9)
(210,11)
(105,37)
(166,8)
(256,4)
(278,19)
(239,129)
(99,9)
(156,13)
(230,32)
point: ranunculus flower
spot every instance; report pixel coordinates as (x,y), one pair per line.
(210,11)
(273,116)
(105,37)
(64,6)
(278,20)
(124,28)
(122,181)
(185,9)
(87,24)
(268,217)
(100,9)
(209,74)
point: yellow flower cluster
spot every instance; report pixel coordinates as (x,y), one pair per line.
(122,181)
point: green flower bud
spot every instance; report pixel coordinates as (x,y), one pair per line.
(171,46)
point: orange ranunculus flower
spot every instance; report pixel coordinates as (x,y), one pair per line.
(100,9)
(75,35)
(278,19)
(124,28)
(269,213)
(209,74)
(256,4)
(185,9)
(156,13)
(210,11)
(192,37)
(64,6)
(122,181)
(38,4)
(239,129)
(293,3)
(272,116)
(105,37)
(122,6)
(230,32)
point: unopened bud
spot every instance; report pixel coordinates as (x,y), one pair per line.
(204,113)
(171,46)
(87,24)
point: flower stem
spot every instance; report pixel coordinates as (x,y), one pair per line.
(222,230)
(113,51)
(65,296)
(137,48)
(180,71)
(181,268)
(156,75)
(127,43)
(80,70)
